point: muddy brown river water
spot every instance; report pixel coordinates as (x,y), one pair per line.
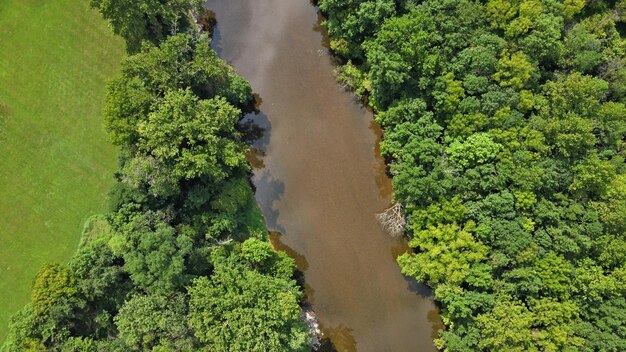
(320,180)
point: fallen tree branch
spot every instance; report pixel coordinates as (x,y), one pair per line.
(392,220)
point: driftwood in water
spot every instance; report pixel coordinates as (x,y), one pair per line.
(311,320)
(392,220)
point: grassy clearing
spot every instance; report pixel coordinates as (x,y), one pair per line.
(56,165)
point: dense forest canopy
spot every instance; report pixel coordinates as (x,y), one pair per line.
(182,261)
(505,127)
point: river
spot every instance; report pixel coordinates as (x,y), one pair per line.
(320,180)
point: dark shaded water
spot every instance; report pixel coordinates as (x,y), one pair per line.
(320,180)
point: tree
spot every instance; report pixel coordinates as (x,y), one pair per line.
(151,176)
(155,322)
(445,253)
(605,328)
(154,253)
(400,50)
(52,284)
(612,205)
(151,20)
(567,112)
(478,149)
(555,273)
(392,220)
(180,62)
(593,176)
(193,137)
(584,49)
(48,320)
(239,309)
(544,41)
(354,21)
(507,327)
(515,70)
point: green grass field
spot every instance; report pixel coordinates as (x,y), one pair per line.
(56,165)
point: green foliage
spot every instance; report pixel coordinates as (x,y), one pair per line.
(514,70)
(351,22)
(478,149)
(149,20)
(47,321)
(507,327)
(52,283)
(192,138)
(613,205)
(154,254)
(354,78)
(400,41)
(242,309)
(505,128)
(181,62)
(544,41)
(446,254)
(260,255)
(155,323)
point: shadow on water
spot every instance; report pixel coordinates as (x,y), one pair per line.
(256,130)
(207,21)
(342,339)
(417,288)
(301,266)
(434,317)
(336,339)
(383,181)
(301,262)
(254,157)
(271,190)
(398,249)
(216,41)
(325,41)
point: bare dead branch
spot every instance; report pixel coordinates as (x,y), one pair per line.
(392,220)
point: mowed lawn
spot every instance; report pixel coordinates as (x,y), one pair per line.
(56,165)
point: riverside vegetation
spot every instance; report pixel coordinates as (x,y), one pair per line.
(505,131)
(182,261)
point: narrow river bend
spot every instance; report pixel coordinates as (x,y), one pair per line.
(320,180)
